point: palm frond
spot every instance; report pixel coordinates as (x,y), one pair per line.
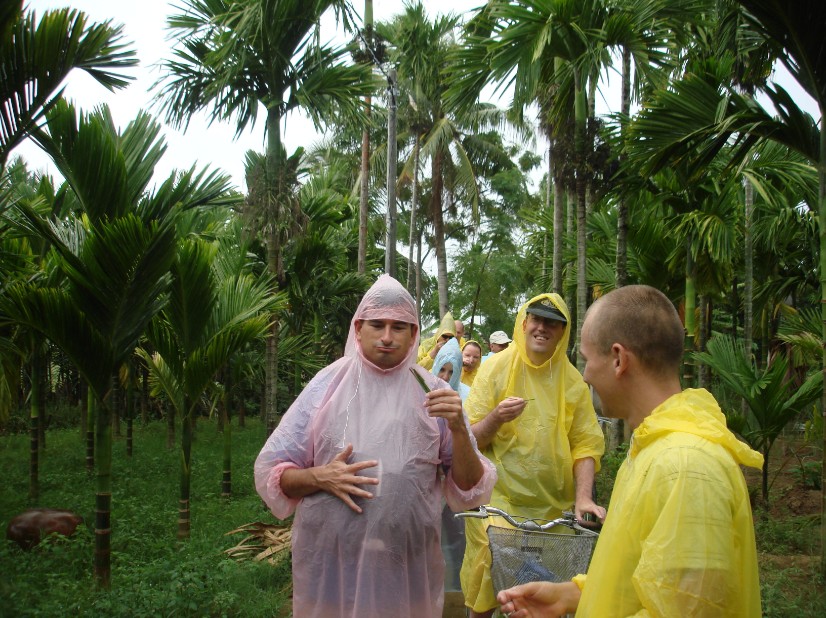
(38,55)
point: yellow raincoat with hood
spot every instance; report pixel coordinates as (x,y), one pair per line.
(447,325)
(679,537)
(534,454)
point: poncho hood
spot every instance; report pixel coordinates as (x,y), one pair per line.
(694,411)
(450,353)
(385,300)
(519,336)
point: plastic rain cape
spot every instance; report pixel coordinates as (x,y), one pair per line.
(387,560)
(447,325)
(679,537)
(534,454)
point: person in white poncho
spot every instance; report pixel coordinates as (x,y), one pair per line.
(363,457)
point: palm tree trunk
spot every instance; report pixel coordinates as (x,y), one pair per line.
(91,420)
(226,479)
(414,207)
(821,218)
(622,207)
(170,427)
(129,408)
(439,232)
(748,267)
(274,164)
(580,112)
(560,204)
(364,192)
(103,495)
(392,168)
(35,413)
(83,406)
(570,239)
(186,474)
(419,274)
(690,323)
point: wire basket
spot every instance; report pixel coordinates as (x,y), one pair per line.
(522,556)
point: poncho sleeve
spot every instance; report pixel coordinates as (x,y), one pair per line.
(584,434)
(290,446)
(458,499)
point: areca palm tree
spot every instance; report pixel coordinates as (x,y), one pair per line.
(702,112)
(235,58)
(773,399)
(422,50)
(205,322)
(114,255)
(37,55)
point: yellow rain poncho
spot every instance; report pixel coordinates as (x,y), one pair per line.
(679,538)
(534,454)
(447,325)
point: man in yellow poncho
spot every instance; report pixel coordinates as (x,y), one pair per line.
(532,416)
(429,348)
(679,537)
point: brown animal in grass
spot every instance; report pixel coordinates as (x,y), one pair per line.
(28,528)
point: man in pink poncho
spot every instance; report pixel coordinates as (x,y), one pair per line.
(363,457)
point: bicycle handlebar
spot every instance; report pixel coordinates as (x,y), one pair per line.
(531,525)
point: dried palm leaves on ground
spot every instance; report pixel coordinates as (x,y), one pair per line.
(262,542)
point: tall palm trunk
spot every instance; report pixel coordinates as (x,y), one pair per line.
(622,208)
(439,231)
(690,321)
(414,207)
(186,473)
(226,479)
(91,416)
(392,168)
(821,218)
(103,491)
(36,411)
(364,191)
(129,407)
(580,119)
(748,267)
(274,194)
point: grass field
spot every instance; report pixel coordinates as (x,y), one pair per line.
(153,574)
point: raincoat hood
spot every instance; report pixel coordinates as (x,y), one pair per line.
(560,353)
(694,411)
(385,300)
(450,353)
(468,376)
(447,325)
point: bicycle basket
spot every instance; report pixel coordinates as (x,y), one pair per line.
(521,556)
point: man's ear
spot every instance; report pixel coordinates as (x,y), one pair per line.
(620,358)
(357,326)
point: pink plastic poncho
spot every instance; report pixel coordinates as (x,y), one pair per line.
(387,560)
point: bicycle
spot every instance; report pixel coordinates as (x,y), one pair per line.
(528,552)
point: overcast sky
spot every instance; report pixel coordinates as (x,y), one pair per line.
(216,145)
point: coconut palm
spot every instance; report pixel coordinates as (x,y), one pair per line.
(37,55)
(234,58)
